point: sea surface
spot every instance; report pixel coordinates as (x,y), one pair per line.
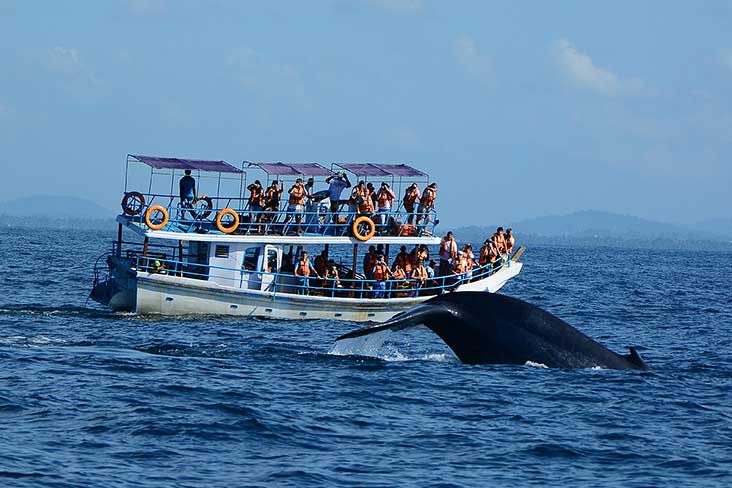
(94,398)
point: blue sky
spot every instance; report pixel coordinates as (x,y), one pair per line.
(517,109)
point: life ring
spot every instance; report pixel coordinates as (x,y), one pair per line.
(148,215)
(132,203)
(234,225)
(363,220)
(203,212)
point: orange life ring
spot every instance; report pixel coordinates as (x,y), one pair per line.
(148,214)
(363,220)
(233,227)
(132,203)
(203,212)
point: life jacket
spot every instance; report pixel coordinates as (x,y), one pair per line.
(399,274)
(384,198)
(369,263)
(255,196)
(500,242)
(381,271)
(303,268)
(452,250)
(272,197)
(366,204)
(410,197)
(483,258)
(428,197)
(460,266)
(402,259)
(297,195)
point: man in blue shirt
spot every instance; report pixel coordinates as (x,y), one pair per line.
(337,183)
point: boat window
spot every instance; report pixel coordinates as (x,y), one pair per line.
(250,258)
(271,261)
(221,251)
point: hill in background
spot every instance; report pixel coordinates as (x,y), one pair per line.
(55,207)
(592,227)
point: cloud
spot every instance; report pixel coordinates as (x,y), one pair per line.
(145,8)
(579,69)
(725,59)
(470,58)
(68,63)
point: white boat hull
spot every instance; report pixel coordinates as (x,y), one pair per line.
(172,295)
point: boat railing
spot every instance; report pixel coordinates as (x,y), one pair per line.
(230,215)
(288,283)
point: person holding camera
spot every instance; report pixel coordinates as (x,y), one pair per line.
(336,184)
(384,199)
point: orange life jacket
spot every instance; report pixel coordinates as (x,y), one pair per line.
(297,195)
(381,271)
(303,268)
(399,274)
(272,197)
(383,198)
(428,197)
(402,260)
(367,204)
(410,197)
(255,196)
(370,263)
(453,248)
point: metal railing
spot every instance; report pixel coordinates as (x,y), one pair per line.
(315,218)
(289,283)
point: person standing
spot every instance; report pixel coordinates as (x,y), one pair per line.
(303,270)
(426,206)
(384,200)
(410,199)
(336,184)
(510,240)
(448,254)
(296,205)
(187,187)
(380,275)
(256,201)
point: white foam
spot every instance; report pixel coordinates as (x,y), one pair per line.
(376,346)
(536,365)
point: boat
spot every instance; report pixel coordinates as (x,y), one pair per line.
(223,253)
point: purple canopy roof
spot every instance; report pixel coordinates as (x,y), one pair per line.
(293,169)
(176,163)
(379,169)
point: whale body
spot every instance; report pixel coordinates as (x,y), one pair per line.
(487,328)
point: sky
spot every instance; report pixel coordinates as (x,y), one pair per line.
(516,109)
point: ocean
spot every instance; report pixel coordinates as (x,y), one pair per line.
(94,398)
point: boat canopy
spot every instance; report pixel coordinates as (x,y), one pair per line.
(381,169)
(192,164)
(292,169)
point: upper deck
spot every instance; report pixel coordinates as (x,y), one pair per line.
(227,207)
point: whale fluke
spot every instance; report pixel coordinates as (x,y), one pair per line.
(485,328)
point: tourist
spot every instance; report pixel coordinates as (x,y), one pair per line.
(380,274)
(369,261)
(426,206)
(331,278)
(470,258)
(402,260)
(510,240)
(187,186)
(321,262)
(303,270)
(499,240)
(384,199)
(410,198)
(419,275)
(448,253)
(336,184)
(256,202)
(364,202)
(272,202)
(296,205)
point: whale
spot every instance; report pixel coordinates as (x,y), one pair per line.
(489,328)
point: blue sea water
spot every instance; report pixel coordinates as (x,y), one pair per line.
(93,398)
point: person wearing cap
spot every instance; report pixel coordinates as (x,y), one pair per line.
(336,184)
(187,186)
(296,205)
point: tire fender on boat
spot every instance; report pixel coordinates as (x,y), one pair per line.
(204,211)
(367,221)
(129,201)
(234,225)
(149,213)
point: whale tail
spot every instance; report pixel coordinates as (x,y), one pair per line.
(487,328)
